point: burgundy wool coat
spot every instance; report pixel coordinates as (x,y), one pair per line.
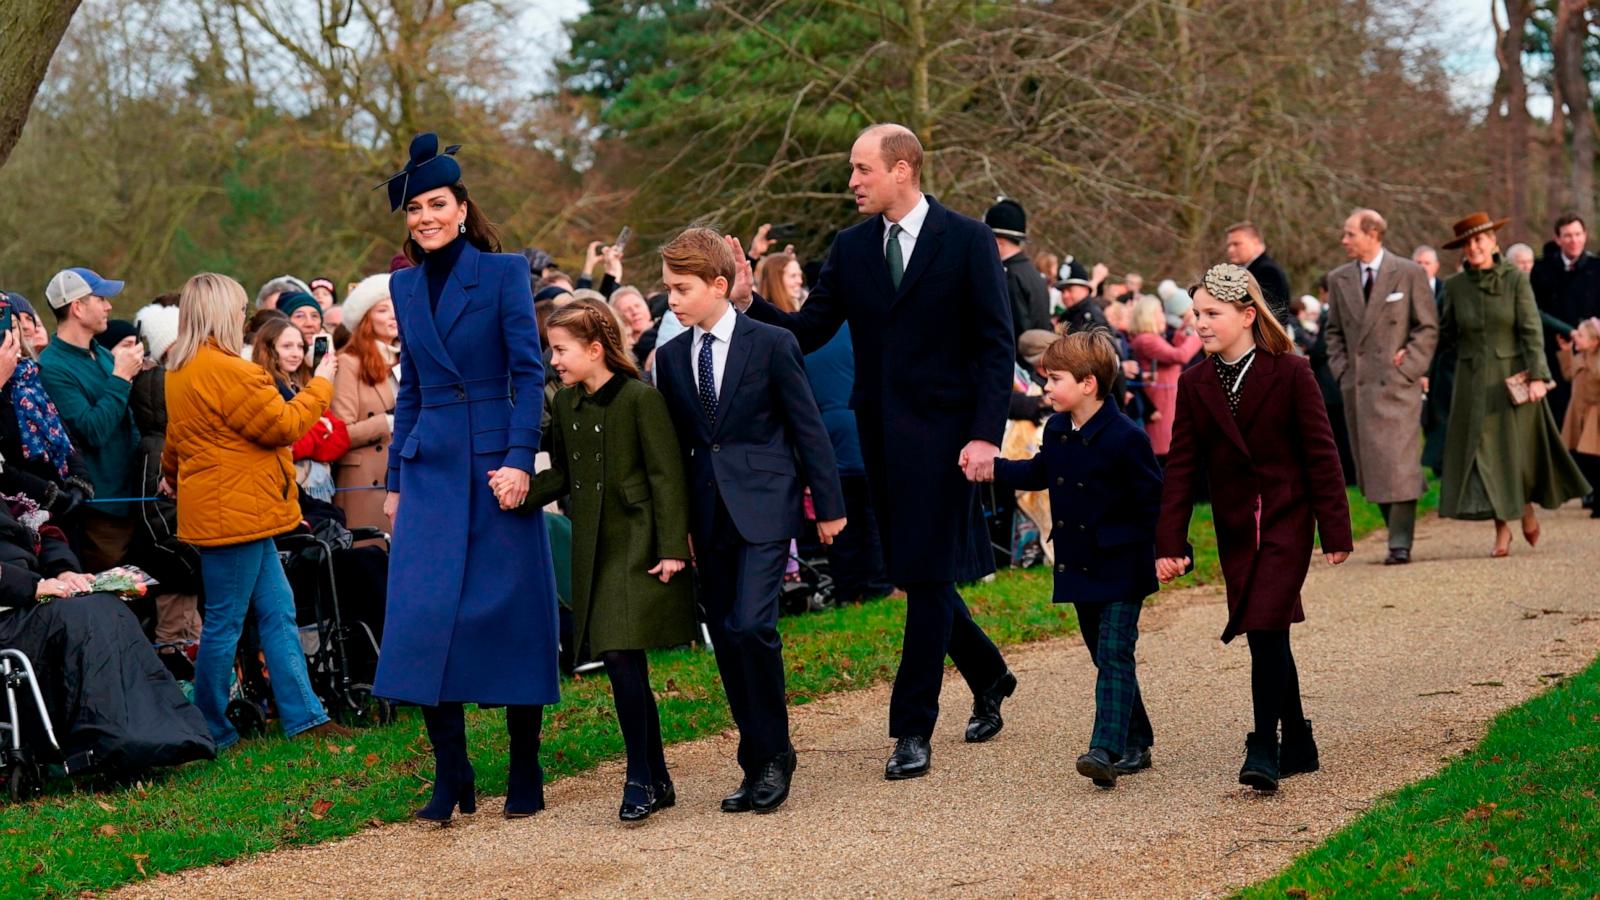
(1275,481)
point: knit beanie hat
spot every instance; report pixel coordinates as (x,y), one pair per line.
(117,331)
(1174,303)
(367,293)
(159,325)
(288,303)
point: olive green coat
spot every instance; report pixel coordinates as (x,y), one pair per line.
(615,454)
(1498,457)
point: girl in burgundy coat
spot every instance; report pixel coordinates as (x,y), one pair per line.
(1251,419)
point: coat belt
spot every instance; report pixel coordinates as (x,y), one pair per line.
(474,391)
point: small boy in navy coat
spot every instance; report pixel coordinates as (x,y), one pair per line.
(750,429)
(1105,495)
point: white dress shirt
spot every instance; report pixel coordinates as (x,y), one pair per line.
(910,227)
(723,332)
(1372,267)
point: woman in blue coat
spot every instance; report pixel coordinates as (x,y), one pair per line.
(472,599)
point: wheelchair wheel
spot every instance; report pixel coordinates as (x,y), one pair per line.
(246,718)
(24,781)
(361,708)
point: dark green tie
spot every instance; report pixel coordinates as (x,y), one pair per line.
(897,260)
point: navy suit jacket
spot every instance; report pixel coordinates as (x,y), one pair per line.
(1105,496)
(768,433)
(934,363)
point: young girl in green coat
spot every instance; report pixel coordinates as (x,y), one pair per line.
(615,455)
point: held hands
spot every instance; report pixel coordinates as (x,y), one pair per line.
(1170,567)
(510,486)
(977,460)
(1336,557)
(667,568)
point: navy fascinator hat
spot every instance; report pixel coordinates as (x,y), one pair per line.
(426,170)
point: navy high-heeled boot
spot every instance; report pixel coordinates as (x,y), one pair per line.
(453,778)
(525,780)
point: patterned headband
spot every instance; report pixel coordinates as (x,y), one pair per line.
(1227,282)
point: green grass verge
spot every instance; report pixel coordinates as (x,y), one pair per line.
(1517,815)
(270,793)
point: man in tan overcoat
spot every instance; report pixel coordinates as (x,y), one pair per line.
(1382,329)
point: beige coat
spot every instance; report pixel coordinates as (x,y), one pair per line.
(1581,430)
(1382,403)
(365,410)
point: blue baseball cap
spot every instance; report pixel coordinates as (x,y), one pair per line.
(77,283)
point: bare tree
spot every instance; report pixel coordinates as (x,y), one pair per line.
(1571,34)
(1508,111)
(30,31)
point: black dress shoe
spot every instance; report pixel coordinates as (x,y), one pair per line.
(771,785)
(738,801)
(1133,761)
(666,795)
(1298,753)
(911,758)
(1260,770)
(1098,766)
(1398,556)
(986,722)
(638,802)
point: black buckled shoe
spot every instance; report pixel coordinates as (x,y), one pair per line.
(739,800)
(1098,766)
(666,795)
(1133,761)
(1298,753)
(912,757)
(771,785)
(638,802)
(1260,770)
(986,722)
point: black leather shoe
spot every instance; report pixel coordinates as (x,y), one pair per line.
(1098,766)
(1133,761)
(1298,753)
(738,801)
(1398,556)
(986,722)
(771,786)
(638,802)
(911,758)
(1260,770)
(666,795)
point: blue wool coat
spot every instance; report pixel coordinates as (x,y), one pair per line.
(472,597)
(1105,497)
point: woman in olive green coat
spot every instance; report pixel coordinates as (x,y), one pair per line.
(1500,459)
(614,453)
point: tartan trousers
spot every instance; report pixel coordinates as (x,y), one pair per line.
(1110,630)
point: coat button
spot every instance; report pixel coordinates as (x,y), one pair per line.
(716,448)
(1083,528)
(598,457)
(1063,439)
(1080,485)
(1061,567)
(597,485)
(574,457)
(461,393)
(577,485)
(1060,480)
(1060,524)
(597,429)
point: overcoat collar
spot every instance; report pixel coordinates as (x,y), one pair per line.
(429,331)
(1383,284)
(1209,385)
(1062,422)
(928,244)
(680,359)
(603,397)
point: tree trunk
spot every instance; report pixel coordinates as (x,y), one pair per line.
(1515,123)
(1572,30)
(1555,167)
(29,33)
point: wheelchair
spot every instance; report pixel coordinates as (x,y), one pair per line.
(341,653)
(22,770)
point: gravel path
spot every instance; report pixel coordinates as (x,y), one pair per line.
(1401,667)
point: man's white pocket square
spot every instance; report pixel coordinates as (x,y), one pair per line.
(1394,297)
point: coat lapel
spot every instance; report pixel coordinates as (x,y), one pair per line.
(1257,384)
(682,362)
(928,244)
(733,369)
(457,289)
(880,272)
(417,326)
(1210,386)
(1382,284)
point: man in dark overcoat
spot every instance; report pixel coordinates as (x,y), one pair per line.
(1566,285)
(1030,298)
(925,296)
(1246,247)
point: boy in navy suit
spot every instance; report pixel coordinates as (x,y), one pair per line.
(1105,496)
(750,429)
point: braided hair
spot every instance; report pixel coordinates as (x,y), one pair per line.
(593,321)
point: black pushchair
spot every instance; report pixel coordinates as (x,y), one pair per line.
(341,650)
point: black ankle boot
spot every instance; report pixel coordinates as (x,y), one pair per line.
(525,780)
(1298,754)
(1260,769)
(453,778)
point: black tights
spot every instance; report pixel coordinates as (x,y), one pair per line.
(1274,683)
(629,672)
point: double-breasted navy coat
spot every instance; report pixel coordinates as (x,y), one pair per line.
(472,597)
(934,363)
(1105,497)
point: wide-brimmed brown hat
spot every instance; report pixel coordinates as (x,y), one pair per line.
(1477,223)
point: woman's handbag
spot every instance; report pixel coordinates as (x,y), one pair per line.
(1517,387)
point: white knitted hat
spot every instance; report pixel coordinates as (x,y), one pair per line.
(159,325)
(363,297)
